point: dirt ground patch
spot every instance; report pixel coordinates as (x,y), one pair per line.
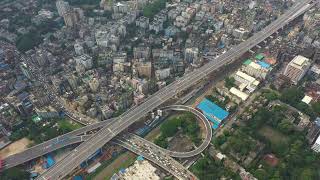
(274,136)
(15,147)
(180,143)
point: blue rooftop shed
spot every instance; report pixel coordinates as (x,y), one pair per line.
(264,64)
(77,178)
(213,112)
(140,158)
(49,162)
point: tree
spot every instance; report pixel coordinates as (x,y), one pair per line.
(153,8)
(219,140)
(162,142)
(28,41)
(15,174)
(229,82)
(307,174)
(316,107)
(271,96)
(292,95)
(170,127)
(261,174)
(285,126)
(276,176)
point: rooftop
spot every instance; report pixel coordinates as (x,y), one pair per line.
(259,56)
(264,64)
(213,112)
(247,62)
(300,60)
(247,77)
(140,170)
(239,93)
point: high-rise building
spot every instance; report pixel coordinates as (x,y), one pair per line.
(314,131)
(297,68)
(144,69)
(70,15)
(125,100)
(78,48)
(85,60)
(70,18)
(62,7)
(94,84)
(316,145)
(25,70)
(191,55)
(141,52)
(42,57)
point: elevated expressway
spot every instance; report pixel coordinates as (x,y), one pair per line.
(104,135)
(154,154)
(161,157)
(80,135)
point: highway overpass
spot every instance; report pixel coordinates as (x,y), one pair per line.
(104,135)
(155,155)
(78,136)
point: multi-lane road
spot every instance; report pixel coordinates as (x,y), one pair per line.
(80,135)
(83,151)
(156,155)
(161,157)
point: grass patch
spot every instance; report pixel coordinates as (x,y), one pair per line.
(124,164)
(112,166)
(274,136)
(68,125)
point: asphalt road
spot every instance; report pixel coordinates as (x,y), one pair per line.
(155,155)
(83,151)
(79,135)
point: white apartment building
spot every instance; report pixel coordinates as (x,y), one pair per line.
(316,145)
(297,68)
(256,70)
(246,81)
(85,60)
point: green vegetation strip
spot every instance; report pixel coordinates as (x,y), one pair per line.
(207,168)
(153,8)
(39,133)
(187,122)
(105,166)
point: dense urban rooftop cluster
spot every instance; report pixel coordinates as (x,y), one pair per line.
(103,57)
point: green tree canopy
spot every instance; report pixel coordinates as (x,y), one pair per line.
(15,173)
(153,8)
(292,95)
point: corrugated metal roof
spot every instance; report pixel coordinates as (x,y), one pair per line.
(247,62)
(213,112)
(264,64)
(259,56)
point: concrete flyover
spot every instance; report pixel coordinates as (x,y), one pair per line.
(155,155)
(208,132)
(46,147)
(104,135)
(80,135)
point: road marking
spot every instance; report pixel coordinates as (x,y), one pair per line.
(162,101)
(111,132)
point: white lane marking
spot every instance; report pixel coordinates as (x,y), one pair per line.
(162,101)
(111,132)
